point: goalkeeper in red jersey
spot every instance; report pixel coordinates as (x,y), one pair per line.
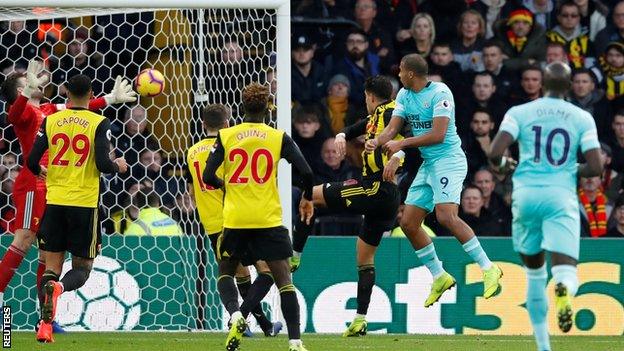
(22,91)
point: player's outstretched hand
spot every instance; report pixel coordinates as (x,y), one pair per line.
(121,163)
(370,145)
(392,147)
(43,174)
(33,80)
(390,169)
(306,210)
(122,92)
(341,144)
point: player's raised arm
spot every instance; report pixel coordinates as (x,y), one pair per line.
(20,88)
(102,150)
(41,145)
(212,164)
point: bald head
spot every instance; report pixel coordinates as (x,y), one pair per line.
(557,76)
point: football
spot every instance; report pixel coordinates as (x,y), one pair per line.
(149,83)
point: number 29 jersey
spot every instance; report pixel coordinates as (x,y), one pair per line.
(251,154)
(209,200)
(549,132)
(73,178)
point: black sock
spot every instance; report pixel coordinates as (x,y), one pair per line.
(46,277)
(301,233)
(290,310)
(244,286)
(75,278)
(228,293)
(366,281)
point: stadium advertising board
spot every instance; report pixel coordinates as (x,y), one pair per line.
(149,283)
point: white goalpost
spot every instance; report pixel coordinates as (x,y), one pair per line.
(207,51)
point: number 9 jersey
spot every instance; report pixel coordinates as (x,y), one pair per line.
(251,154)
(73,178)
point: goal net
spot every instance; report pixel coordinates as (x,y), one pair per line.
(206,56)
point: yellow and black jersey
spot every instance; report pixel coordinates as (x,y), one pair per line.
(613,79)
(578,49)
(208,199)
(372,127)
(250,153)
(78,142)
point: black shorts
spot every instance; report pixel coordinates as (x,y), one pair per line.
(251,245)
(70,228)
(378,201)
(214,238)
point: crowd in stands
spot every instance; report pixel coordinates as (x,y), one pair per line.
(489,52)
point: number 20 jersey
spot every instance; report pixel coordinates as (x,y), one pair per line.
(549,132)
(73,178)
(252,152)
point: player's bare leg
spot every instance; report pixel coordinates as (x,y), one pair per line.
(302,230)
(366,282)
(537,302)
(411,223)
(289,302)
(22,241)
(447,216)
(566,284)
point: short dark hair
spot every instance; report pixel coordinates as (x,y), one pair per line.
(567,3)
(532,68)
(379,86)
(619,201)
(306,113)
(441,44)
(416,63)
(554,44)
(493,43)
(557,78)
(214,116)
(79,86)
(584,70)
(484,74)
(146,196)
(471,186)
(9,86)
(358,31)
(485,110)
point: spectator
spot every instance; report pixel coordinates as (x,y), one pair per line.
(496,206)
(442,61)
(493,11)
(476,216)
(585,95)
(18,42)
(358,64)
(542,11)
(379,40)
(185,213)
(340,111)
(555,52)
(468,47)
(618,214)
(523,40)
(421,36)
(595,208)
(611,73)
(504,79)
(308,76)
(136,136)
(8,208)
(571,34)
(150,220)
(617,142)
(612,32)
(150,167)
(308,134)
(483,90)
(611,181)
(531,83)
(477,142)
(9,161)
(593,16)
(334,167)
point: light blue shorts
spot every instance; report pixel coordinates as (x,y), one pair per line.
(438,182)
(546,218)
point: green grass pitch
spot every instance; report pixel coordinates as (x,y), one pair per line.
(155,341)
